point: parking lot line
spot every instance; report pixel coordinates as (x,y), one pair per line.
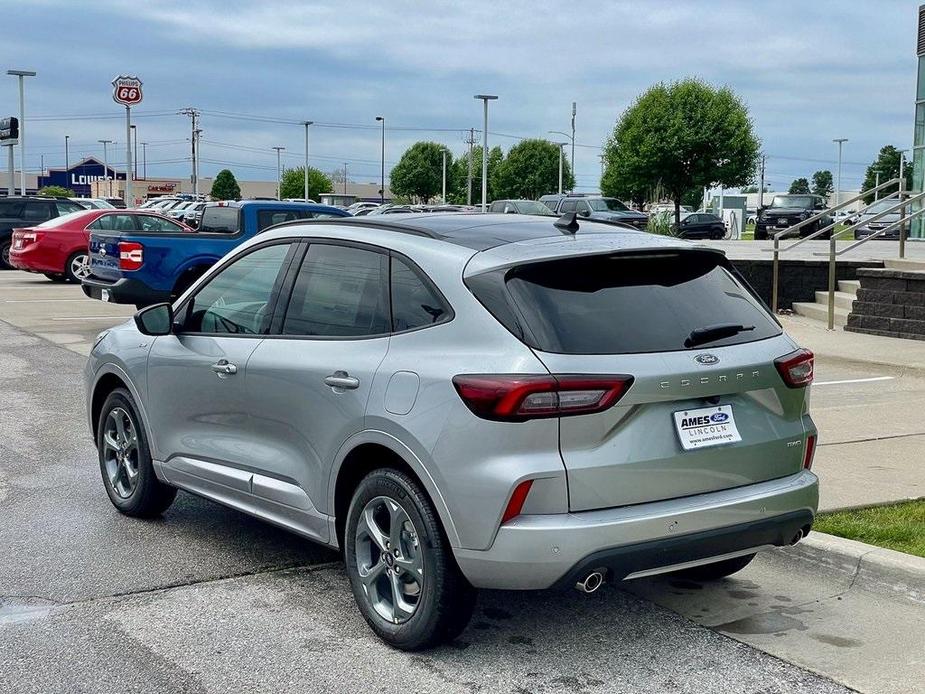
(854,380)
(87,317)
(42,301)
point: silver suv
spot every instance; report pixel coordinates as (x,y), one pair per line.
(462,402)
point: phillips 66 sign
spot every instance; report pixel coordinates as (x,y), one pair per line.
(126,90)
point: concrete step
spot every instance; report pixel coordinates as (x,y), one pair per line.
(820,312)
(842,299)
(903,264)
(850,286)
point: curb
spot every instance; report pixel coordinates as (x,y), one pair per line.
(871,568)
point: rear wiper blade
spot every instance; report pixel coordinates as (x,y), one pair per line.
(709,333)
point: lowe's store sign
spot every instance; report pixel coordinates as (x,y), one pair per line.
(79,177)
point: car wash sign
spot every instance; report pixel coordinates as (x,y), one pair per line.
(126,90)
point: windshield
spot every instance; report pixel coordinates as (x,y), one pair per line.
(607,205)
(880,206)
(803,202)
(533,207)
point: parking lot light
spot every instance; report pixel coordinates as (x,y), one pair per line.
(307,124)
(382,163)
(485,99)
(278,180)
(22,74)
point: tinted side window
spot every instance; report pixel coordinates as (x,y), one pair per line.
(238,299)
(339,292)
(148,222)
(267,218)
(37,211)
(497,206)
(568,206)
(103,223)
(414,301)
(583,206)
(68,207)
(220,219)
(10,208)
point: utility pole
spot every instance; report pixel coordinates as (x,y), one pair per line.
(278,171)
(470,142)
(381,163)
(877,184)
(761,185)
(66,160)
(307,124)
(106,164)
(561,156)
(485,99)
(194,118)
(574,111)
(22,74)
(144,159)
(444,176)
(839,141)
(345,178)
(135,147)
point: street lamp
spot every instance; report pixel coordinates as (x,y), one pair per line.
(66,158)
(21,74)
(144,160)
(278,180)
(106,164)
(561,146)
(485,99)
(839,141)
(306,124)
(382,163)
(572,141)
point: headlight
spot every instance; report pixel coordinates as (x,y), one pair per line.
(804,215)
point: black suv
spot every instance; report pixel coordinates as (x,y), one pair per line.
(28,211)
(788,210)
(597,207)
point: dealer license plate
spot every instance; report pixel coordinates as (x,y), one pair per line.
(706,426)
(782,222)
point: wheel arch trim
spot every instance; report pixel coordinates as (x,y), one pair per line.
(112,369)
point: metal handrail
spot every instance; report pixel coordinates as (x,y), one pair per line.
(775,269)
(824,229)
(834,254)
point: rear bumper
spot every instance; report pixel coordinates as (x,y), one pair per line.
(31,260)
(543,551)
(123,291)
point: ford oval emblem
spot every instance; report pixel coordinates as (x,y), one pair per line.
(719,417)
(706,359)
(102,251)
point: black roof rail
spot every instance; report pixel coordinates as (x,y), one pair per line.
(357,222)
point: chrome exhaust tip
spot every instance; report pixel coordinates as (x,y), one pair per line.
(591,582)
(797,537)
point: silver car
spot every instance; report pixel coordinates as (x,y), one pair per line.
(468,401)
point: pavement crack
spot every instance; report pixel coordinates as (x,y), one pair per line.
(873,438)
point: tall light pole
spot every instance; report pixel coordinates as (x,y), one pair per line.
(66,158)
(345,178)
(574,111)
(307,124)
(485,99)
(381,119)
(876,184)
(134,129)
(144,160)
(278,173)
(561,146)
(444,177)
(839,141)
(106,164)
(572,141)
(22,74)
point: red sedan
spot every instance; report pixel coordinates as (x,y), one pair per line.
(58,248)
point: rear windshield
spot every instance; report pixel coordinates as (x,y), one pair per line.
(622,304)
(221,220)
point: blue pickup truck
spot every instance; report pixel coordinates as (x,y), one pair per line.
(132,267)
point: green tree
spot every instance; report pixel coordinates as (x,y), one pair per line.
(419,172)
(292,183)
(225,186)
(57,192)
(822,183)
(681,136)
(460,171)
(531,169)
(799,186)
(887,163)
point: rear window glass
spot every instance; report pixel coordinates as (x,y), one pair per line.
(221,220)
(627,304)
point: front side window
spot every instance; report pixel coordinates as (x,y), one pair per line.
(415,304)
(147,222)
(340,291)
(608,205)
(239,299)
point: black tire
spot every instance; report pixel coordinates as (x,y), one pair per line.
(446,600)
(717,570)
(68,266)
(55,278)
(5,255)
(148,497)
(761,234)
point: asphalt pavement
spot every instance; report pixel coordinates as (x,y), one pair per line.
(206,599)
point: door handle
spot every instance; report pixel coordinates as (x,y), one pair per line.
(341,379)
(223,368)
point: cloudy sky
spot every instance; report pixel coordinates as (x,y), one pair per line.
(808,71)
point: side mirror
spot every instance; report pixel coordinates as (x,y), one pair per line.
(155,320)
(585,213)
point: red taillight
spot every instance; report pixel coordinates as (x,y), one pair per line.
(516,504)
(25,237)
(516,397)
(809,452)
(131,255)
(796,368)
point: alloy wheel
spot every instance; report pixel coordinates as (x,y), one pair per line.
(80,266)
(389,559)
(120,452)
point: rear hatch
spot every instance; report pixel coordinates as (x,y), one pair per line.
(104,256)
(631,313)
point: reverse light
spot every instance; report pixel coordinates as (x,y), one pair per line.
(516,504)
(809,452)
(131,255)
(796,368)
(517,398)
